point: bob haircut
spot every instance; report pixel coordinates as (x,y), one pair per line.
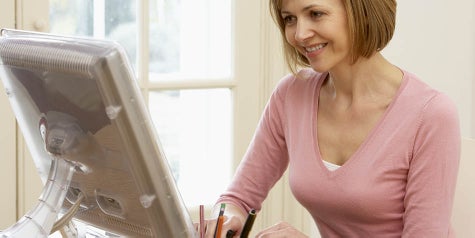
(371,25)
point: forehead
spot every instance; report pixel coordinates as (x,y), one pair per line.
(298,5)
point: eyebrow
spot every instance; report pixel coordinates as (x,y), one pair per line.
(303,9)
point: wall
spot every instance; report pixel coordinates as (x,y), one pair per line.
(463,214)
(436,41)
(7,136)
(20,182)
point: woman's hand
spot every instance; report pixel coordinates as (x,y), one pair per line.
(230,223)
(233,220)
(281,229)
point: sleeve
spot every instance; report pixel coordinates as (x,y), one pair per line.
(433,171)
(266,158)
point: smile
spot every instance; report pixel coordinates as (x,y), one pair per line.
(315,48)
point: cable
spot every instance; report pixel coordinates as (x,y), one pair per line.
(66,218)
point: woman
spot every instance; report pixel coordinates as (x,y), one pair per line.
(372,151)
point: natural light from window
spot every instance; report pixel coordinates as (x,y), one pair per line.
(189,41)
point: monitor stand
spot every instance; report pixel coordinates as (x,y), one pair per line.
(40,221)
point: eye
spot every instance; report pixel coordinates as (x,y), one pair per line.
(316,14)
(289,19)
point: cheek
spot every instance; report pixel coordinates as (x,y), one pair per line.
(343,33)
(290,37)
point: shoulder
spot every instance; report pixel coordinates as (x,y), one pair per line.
(432,102)
(433,113)
(440,110)
(302,80)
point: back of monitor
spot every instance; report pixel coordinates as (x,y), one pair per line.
(75,99)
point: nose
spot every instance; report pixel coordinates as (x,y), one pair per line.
(303,31)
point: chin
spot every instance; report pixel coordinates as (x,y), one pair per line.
(320,68)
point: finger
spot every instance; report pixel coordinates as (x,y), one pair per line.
(232,224)
(210,226)
(281,233)
(277,227)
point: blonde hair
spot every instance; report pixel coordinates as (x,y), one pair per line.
(371,25)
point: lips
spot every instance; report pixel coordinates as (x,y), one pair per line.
(315,47)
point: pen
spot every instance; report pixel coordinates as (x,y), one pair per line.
(202,222)
(219,224)
(248,224)
(230,234)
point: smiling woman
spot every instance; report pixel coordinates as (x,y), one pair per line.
(368,30)
(345,106)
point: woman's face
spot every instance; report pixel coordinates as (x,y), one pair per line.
(318,29)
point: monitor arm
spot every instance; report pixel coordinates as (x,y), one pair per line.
(41,218)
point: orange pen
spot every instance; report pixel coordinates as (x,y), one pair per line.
(219,224)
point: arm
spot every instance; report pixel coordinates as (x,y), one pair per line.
(263,164)
(266,158)
(433,171)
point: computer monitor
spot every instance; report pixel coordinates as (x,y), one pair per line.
(76,101)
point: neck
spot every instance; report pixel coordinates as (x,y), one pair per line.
(367,79)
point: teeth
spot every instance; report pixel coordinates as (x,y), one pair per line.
(317,47)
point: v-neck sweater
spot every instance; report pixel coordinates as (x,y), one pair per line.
(400,182)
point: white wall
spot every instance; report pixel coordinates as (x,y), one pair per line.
(7,136)
(463,214)
(436,40)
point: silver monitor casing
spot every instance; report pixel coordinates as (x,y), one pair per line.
(77,100)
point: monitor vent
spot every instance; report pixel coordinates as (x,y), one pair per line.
(40,56)
(114,224)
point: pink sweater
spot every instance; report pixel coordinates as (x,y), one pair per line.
(399,183)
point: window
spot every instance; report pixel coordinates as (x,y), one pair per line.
(182,53)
